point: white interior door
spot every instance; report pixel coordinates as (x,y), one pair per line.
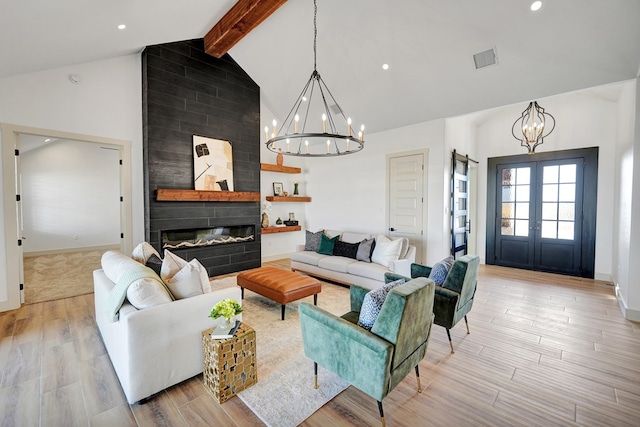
(406,198)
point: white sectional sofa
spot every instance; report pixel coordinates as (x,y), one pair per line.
(155,347)
(346,270)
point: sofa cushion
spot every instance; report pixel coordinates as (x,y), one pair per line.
(372,304)
(354,237)
(365,249)
(386,250)
(347,250)
(368,270)
(312,242)
(336,263)
(440,270)
(172,264)
(143,251)
(327,244)
(307,257)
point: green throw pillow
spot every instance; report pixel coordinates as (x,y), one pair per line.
(327,244)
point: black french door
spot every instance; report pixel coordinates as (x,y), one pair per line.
(542,212)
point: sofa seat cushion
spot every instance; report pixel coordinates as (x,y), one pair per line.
(307,257)
(336,263)
(368,270)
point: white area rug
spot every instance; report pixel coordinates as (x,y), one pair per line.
(284,395)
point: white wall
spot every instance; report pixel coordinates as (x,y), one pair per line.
(70,196)
(107,103)
(280,245)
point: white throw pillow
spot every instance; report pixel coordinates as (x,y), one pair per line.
(405,246)
(145,293)
(143,251)
(172,264)
(386,250)
(187,282)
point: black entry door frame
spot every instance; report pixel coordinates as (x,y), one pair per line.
(587,212)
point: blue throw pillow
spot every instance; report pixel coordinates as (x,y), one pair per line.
(440,270)
(372,304)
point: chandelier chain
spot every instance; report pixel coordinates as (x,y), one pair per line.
(315,33)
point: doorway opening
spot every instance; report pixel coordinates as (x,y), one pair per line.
(541,211)
(61,185)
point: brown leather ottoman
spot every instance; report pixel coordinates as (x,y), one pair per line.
(279,285)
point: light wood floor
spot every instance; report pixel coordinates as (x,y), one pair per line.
(544,350)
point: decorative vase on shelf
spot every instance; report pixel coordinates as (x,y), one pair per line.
(279,157)
(265,220)
(295,188)
(279,221)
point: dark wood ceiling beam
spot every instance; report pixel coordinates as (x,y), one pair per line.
(243,17)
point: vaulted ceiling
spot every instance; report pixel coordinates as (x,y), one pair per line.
(429,45)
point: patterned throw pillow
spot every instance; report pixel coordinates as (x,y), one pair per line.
(312,242)
(365,249)
(440,270)
(348,250)
(372,304)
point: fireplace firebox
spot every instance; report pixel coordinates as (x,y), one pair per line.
(214,236)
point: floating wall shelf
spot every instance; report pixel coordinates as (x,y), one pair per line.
(176,195)
(272,230)
(288,199)
(275,168)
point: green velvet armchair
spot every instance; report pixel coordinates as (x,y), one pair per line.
(373,361)
(454,299)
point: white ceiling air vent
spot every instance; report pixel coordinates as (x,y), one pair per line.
(486,58)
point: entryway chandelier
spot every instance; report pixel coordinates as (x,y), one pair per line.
(294,138)
(532,125)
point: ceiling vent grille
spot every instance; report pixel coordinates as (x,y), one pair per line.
(486,58)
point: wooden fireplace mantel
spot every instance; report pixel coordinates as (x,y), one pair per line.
(177,195)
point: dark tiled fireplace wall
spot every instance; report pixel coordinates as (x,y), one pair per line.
(187,92)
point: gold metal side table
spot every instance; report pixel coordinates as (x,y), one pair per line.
(229,365)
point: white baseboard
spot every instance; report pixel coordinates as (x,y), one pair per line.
(629,314)
(603,277)
(68,250)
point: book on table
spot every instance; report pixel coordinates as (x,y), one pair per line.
(224,332)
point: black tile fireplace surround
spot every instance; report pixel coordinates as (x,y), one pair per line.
(185,93)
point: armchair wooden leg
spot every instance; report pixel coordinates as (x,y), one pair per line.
(418,378)
(315,375)
(466,322)
(381,414)
(450,343)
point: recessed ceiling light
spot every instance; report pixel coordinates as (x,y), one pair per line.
(122,27)
(385,66)
(536,5)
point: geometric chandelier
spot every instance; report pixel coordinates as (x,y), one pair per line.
(300,133)
(533,127)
